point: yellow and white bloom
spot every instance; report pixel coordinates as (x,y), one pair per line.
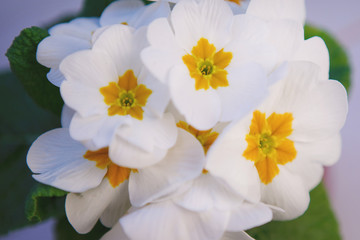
(80,33)
(98,187)
(286,140)
(114,97)
(215,63)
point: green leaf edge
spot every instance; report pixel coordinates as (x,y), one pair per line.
(33,209)
(22,58)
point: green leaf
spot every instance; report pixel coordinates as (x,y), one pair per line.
(16,180)
(339,63)
(94,8)
(317,223)
(65,231)
(44,202)
(22,58)
(21,121)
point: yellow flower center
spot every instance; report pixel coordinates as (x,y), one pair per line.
(268,144)
(115,173)
(207,66)
(126,97)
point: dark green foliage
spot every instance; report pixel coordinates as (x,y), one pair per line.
(94,8)
(44,202)
(22,58)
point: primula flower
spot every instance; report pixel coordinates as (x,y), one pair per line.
(116,99)
(286,140)
(99,188)
(65,39)
(80,33)
(285,21)
(215,63)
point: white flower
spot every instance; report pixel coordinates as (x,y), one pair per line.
(99,188)
(80,33)
(167,220)
(285,21)
(287,140)
(65,39)
(115,97)
(214,63)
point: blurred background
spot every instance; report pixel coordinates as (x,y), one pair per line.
(340,18)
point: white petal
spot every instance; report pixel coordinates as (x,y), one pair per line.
(55,76)
(53,49)
(66,115)
(287,37)
(249,215)
(310,172)
(211,19)
(185,161)
(278,9)
(159,98)
(84,209)
(143,143)
(201,108)
(150,132)
(286,191)
(168,221)
(96,131)
(123,45)
(314,50)
(57,160)
(80,28)
(149,13)
(164,52)
(225,161)
(116,233)
(249,29)
(325,152)
(321,113)
(247,87)
(236,236)
(207,193)
(120,12)
(86,72)
(118,206)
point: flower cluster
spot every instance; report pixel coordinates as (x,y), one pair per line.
(189,119)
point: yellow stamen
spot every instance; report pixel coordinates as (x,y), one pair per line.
(126,97)
(207,66)
(268,144)
(115,173)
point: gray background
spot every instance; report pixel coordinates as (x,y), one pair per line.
(338,17)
